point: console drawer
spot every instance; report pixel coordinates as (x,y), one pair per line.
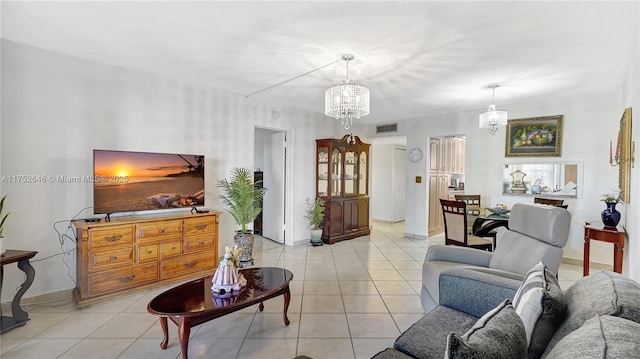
(119,279)
(171,248)
(203,225)
(112,258)
(188,264)
(160,229)
(200,243)
(112,236)
(147,252)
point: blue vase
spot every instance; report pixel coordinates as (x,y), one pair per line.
(610,216)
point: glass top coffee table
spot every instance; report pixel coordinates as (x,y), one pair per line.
(193,303)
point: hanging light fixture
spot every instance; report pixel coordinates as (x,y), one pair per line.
(492,118)
(347,100)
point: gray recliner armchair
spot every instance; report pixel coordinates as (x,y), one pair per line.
(536,233)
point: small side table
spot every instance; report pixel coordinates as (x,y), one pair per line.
(605,234)
(20,316)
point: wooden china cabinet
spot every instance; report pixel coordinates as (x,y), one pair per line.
(342,168)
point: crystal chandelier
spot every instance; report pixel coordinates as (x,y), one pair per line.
(347,100)
(492,118)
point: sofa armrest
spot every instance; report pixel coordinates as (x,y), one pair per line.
(475,291)
(456,254)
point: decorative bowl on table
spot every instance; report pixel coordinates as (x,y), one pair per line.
(499,211)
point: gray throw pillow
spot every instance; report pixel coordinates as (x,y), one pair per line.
(601,293)
(498,334)
(603,337)
(540,304)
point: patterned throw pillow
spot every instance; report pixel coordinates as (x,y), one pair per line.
(498,334)
(540,304)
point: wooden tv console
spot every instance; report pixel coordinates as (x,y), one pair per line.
(130,254)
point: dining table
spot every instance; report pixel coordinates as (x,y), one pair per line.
(485,224)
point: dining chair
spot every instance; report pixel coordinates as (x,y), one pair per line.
(472,201)
(456,230)
(549,201)
(473,212)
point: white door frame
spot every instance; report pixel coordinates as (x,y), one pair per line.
(288,188)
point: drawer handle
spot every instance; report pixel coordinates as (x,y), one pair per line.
(200,227)
(149,252)
(201,243)
(162,231)
(173,248)
(127,279)
(113,238)
(190,265)
(114,258)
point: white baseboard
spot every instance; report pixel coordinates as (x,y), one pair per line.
(53,298)
(414,236)
(580,263)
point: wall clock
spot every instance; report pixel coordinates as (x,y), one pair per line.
(415,154)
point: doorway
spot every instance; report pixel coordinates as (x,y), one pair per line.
(388,179)
(272,160)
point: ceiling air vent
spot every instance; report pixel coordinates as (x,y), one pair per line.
(387,128)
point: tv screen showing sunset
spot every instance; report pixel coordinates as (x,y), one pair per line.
(134,181)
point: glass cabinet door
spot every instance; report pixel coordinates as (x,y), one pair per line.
(350,172)
(362,174)
(336,173)
(323,171)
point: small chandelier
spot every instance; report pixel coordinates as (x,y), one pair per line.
(492,118)
(347,100)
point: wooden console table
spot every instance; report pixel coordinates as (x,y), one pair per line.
(20,316)
(605,234)
(133,253)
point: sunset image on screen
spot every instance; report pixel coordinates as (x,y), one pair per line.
(132,181)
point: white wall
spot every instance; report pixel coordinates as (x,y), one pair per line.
(56,109)
(383,177)
(381,182)
(631,98)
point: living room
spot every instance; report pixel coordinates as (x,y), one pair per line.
(58,107)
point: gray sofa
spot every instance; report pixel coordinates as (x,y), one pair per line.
(536,233)
(597,317)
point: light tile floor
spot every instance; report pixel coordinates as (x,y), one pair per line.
(349,300)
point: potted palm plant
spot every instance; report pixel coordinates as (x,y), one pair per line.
(315,218)
(4,218)
(242,198)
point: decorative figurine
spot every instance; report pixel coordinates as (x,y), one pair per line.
(235,255)
(227,279)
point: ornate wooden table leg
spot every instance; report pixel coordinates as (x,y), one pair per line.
(18,313)
(165,331)
(585,259)
(261,306)
(618,254)
(287,299)
(184,329)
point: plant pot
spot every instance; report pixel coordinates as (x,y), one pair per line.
(610,215)
(316,237)
(245,241)
(3,247)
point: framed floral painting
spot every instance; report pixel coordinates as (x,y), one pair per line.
(534,137)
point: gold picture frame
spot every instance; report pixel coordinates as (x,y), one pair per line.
(534,137)
(625,159)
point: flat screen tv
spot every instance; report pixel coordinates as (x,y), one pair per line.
(125,181)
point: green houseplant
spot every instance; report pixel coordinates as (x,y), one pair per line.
(315,217)
(2,220)
(242,197)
